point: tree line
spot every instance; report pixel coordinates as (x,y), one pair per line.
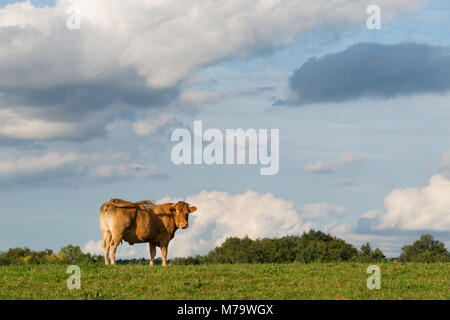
(312,246)
(67,255)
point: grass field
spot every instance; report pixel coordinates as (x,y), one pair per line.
(243,281)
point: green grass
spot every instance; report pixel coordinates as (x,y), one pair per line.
(243,281)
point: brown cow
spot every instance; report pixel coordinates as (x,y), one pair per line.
(141,222)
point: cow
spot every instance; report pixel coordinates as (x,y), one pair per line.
(141,222)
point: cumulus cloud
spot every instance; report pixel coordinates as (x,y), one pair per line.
(136,54)
(93,247)
(411,209)
(124,251)
(221,215)
(408,213)
(372,70)
(322,210)
(425,208)
(319,167)
(164,40)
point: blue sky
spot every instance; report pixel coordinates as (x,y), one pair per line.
(36,3)
(72,101)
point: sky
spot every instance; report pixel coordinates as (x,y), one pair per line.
(87,112)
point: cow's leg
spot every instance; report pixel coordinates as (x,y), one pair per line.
(164,254)
(117,238)
(106,244)
(152,253)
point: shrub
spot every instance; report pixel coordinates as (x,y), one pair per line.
(426,249)
(310,247)
(67,255)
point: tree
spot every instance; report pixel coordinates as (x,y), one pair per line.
(426,249)
(68,254)
(366,254)
(321,247)
(14,256)
(73,255)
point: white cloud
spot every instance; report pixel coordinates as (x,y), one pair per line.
(93,247)
(138,54)
(11,165)
(15,125)
(408,212)
(322,210)
(164,41)
(124,251)
(221,215)
(318,167)
(425,208)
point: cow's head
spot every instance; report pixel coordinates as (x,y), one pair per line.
(181,212)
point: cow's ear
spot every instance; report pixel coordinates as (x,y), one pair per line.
(192,209)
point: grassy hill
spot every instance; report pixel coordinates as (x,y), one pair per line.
(344,280)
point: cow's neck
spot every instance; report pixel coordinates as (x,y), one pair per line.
(172,227)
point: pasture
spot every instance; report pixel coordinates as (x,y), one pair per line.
(344,280)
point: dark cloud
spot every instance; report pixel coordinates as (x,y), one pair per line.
(371,70)
(69,101)
(89,106)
